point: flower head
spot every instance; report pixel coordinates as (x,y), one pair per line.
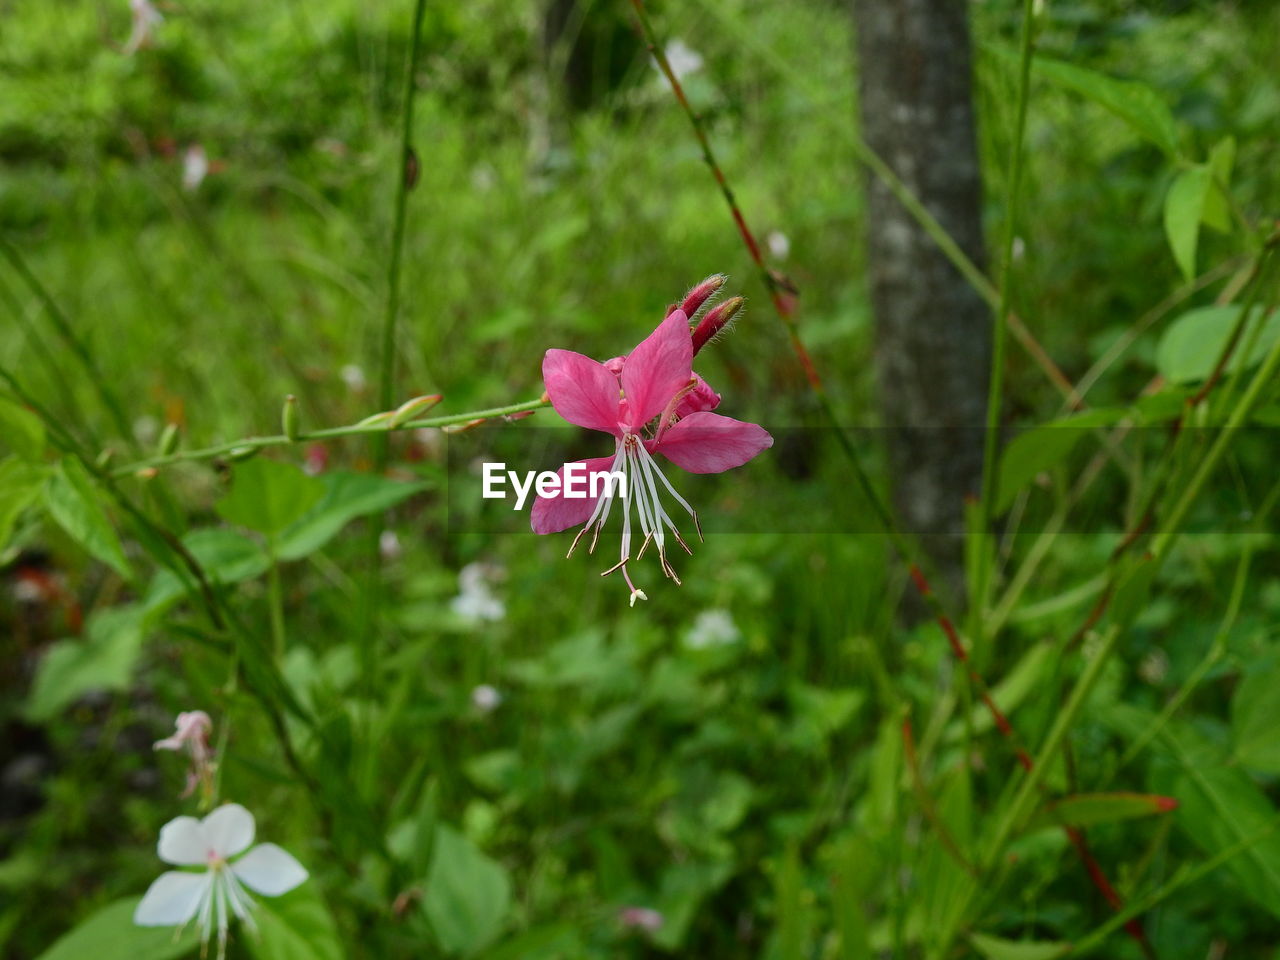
(651,402)
(191,733)
(145,19)
(210,895)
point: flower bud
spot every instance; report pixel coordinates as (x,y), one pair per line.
(242,453)
(289,418)
(169,439)
(695,298)
(715,321)
(411,408)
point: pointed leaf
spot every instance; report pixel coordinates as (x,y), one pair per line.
(1217,207)
(467,894)
(1090,809)
(1040,448)
(1193,343)
(73,502)
(1255,720)
(267,495)
(21,431)
(103,660)
(346,497)
(1135,103)
(996,948)
(1184,206)
(295,926)
(110,934)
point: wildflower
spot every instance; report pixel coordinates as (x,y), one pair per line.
(192,734)
(779,244)
(485,698)
(389,545)
(353,376)
(650,402)
(208,896)
(712,628)
(682,59)
(145,19)
(641,918)
(195,167)
(476,600)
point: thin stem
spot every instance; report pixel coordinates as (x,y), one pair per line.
(249,444)
(995,382)
(275,602)
(68,335)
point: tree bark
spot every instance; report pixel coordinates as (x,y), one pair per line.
(933,337)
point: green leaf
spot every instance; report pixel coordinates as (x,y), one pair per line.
(19,486)
(1040,448)
(684,887)
(267,495)
(1217,207)
(73,502)
(1184,206)
(1135,103)
(1090,809)
(1255,720)
(995,948)
(1194,341)
(21,430)
(227,557)
(467,894)
(104,660)
(346,496)
(1220,807)
(1132,590)
(296,926)
(110,934)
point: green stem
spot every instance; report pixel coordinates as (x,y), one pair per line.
(68,335)
(275,601)
(249,444)
(995,382)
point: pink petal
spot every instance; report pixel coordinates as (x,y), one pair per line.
(709,443)
(581,390)
(702,397)
(553,514)
(658,369)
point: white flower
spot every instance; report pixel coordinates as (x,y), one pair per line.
(476,601)
(779,244)
(712,628)
(210,895)
(389,545)
(682,59)
(145,19)
(195,167)
(485,698)
(353,377)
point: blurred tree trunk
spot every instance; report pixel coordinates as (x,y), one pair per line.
(932,330)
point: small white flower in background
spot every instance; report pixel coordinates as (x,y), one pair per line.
(389,545)
(476,600)
(192,734)
(1154,667)
(211,895)
(485,698)
(712,628)
(641,918)
(779,244)
(145,19)
(683,59)
(353,377)
(146,429)
(195,167)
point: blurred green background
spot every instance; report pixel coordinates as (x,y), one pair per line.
(727,754)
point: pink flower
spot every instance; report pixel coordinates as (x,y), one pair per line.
(641,918)
(650,402)
(192,733)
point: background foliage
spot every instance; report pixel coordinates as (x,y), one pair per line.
(730,754)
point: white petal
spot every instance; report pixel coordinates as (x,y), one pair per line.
(228,830)
(172,899)
(182,841)
(269,870)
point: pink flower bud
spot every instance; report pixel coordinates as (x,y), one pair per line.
(695,298)
(715,321)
